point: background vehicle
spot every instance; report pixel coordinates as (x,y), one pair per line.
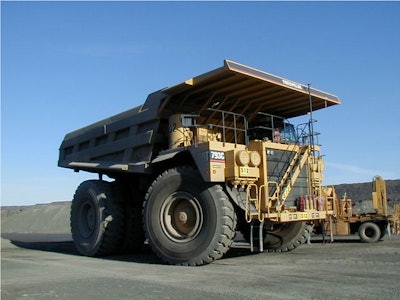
(196,161)
(371,226)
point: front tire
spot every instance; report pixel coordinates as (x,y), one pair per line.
(96,220)
(187,221)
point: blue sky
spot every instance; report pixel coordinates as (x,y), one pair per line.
(65,65)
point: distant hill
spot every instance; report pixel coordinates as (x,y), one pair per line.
(359,192)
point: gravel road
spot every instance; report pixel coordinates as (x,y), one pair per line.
(39,261)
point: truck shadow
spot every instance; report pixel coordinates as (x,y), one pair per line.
(349,239)
(63,244)
(60,245)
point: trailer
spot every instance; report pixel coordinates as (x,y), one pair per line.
(198,161)
(370,226)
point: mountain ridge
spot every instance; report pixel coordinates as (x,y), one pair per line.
(363,191)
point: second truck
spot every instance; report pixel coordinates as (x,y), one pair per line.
(198,161)
(371,225)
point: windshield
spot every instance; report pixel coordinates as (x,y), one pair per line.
(268,127)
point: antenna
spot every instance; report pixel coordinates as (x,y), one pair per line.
(311,125)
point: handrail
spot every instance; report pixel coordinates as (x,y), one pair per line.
(225,127)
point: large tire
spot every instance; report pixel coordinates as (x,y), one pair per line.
(134,234)
(369,232)
(96,220)
(187,221)
(285,236)
(131,201)
(277,237)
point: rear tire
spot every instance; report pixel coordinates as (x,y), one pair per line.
(96,220)
(134,234)
(278,237)
(285,236)
(369,232)
(187,221)
(131,201)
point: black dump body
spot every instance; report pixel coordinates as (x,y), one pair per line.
(131,140)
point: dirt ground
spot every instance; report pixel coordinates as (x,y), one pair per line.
(45,265)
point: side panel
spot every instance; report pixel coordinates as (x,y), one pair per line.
(122,142)
(211,159)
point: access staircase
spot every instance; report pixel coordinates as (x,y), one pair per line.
(259,202)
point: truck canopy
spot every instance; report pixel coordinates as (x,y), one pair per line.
(245,90)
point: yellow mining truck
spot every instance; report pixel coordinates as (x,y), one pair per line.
(370,226)
(197,161)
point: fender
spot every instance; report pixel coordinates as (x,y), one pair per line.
(237,195)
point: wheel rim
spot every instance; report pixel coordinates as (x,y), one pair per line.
(181,217)
(86,220)
(369,232)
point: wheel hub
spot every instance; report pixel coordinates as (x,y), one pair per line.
(181,217)
(86,220)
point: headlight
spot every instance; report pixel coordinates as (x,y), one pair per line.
(243,158)
(255,158)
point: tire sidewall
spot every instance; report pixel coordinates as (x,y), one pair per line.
(166,185)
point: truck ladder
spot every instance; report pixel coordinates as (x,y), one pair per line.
(316,172)
(252,203)
(269,199)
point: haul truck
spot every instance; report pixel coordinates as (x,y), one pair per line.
(197,161)
(370,226)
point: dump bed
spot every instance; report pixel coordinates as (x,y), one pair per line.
(129,141)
